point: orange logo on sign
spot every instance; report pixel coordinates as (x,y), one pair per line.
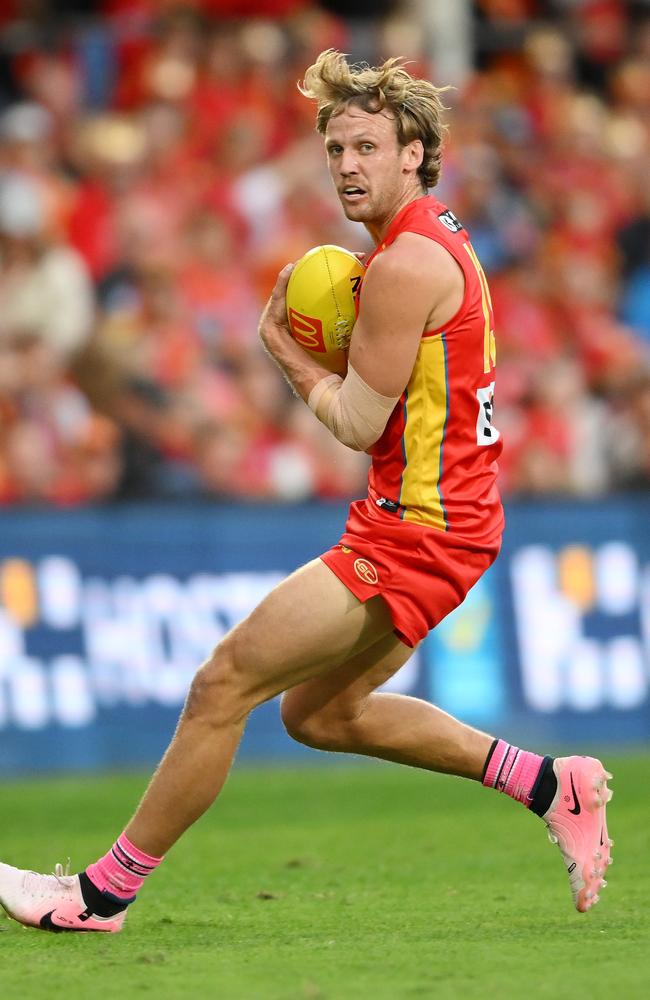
(307,331)
(366,571)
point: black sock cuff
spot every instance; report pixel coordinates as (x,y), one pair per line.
(543,791)
(103,904)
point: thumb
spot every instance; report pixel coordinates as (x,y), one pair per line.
(283,280)
(276,307)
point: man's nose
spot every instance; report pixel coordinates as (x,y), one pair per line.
(348,162)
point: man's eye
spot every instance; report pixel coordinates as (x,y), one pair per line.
(367,147)
(334,150)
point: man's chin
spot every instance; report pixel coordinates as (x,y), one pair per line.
(357,212)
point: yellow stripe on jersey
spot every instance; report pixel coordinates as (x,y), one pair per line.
(426,411)
(489,343)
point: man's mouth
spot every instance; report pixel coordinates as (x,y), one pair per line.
(352,193)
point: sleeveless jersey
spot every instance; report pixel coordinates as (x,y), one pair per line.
(436,462)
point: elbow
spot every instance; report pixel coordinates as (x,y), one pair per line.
(356,438)
(354,445)
(354,412)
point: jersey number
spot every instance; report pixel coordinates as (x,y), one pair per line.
(485,432)
(489,343)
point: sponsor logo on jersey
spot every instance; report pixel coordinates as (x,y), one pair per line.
(450,222)
(391,506)
(307,331)
(366,571)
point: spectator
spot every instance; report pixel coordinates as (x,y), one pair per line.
(634,245)
(55,449)
(181,196)
(630,444)
(45,290)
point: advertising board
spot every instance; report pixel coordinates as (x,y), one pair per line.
(106,614)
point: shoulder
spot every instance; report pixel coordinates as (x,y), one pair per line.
(412,258)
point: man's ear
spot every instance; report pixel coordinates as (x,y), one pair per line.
(415,155)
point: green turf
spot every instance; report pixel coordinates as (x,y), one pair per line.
(338,883)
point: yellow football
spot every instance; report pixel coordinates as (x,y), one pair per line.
(323,303)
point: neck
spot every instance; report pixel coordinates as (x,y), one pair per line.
(379,227)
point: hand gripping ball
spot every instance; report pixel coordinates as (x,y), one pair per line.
(323,304)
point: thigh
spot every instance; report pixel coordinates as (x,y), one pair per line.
(309,624)
(343,690)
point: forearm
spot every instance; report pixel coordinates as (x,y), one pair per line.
(299,369)
(352,410)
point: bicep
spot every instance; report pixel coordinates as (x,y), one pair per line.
(384,347)
(400,290)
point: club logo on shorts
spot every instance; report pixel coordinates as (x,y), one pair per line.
(366,571)
(307,331)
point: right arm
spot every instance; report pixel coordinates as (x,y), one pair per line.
(413,285)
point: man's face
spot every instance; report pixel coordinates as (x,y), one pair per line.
(367,164)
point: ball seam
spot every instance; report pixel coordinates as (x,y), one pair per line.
(329,273)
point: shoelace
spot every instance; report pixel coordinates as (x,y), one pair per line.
(59,880)
(60,872)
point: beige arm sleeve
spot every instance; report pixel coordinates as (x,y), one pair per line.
(354,413)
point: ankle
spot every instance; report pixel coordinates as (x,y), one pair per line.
(120,874)
(544,789)
(102,904)
(524,776)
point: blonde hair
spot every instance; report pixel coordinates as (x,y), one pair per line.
(415,104)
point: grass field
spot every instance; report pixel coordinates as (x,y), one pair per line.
(338,883)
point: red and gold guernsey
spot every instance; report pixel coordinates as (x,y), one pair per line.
(436,462)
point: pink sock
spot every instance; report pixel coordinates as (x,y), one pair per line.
(123,870)
(513,771)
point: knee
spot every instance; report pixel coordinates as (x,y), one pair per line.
(218,691)
(319,729)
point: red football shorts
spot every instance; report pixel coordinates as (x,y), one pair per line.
(421,573)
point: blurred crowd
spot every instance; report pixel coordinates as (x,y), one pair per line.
(158,167)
